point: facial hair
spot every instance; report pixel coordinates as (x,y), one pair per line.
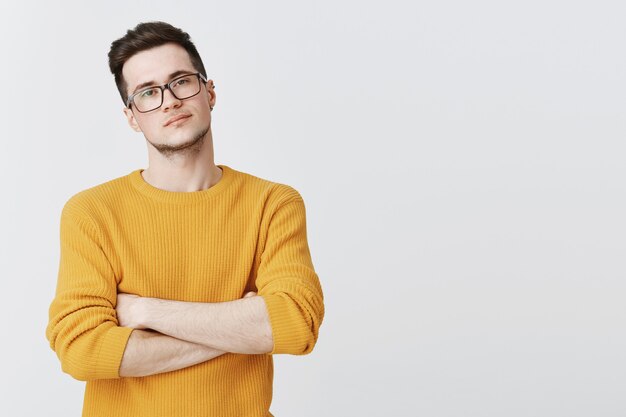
(187,148)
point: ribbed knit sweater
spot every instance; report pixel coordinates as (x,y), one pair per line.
(242,234)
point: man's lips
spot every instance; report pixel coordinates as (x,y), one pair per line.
(176,118)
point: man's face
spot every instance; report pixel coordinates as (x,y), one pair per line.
(156,66)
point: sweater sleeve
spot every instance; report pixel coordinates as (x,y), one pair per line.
(288,282)
(83,328)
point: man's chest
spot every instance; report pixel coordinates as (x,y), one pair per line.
(192,255)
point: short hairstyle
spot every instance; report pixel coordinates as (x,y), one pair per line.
(145,36)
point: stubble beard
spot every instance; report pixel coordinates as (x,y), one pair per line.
(185,149)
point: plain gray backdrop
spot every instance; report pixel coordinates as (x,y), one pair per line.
(462,165)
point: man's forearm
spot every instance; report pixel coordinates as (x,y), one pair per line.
(239,326)
(149,353)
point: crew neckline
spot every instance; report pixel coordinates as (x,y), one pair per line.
(180,197)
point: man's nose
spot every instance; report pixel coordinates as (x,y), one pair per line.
(169,100)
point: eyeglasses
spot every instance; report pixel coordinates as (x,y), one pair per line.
(151,98)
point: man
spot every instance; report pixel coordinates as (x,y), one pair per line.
(177,283)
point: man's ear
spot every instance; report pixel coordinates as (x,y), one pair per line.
(132,122)
(210,87)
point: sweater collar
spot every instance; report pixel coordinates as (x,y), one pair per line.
(180,197)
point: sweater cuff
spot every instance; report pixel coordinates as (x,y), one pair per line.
(285,322)
(112,351)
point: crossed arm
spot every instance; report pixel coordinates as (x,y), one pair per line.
(189,333)
(98,333)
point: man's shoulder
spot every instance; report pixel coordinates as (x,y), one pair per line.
(89,199)
(272,191)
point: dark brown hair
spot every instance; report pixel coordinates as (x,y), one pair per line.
(145,36)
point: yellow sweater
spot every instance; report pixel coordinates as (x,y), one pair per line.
(242,234)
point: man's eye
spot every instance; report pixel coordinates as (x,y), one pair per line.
(182,81)
(147,93)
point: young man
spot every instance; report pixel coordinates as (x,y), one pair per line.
(177,283)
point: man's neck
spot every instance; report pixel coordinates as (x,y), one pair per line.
(185,172)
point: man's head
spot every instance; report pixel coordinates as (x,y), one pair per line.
(155,54)
(146,36)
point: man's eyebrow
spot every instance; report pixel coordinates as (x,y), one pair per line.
(151,83)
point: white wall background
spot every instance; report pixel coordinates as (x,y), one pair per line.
(463,169)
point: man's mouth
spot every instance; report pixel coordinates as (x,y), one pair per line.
(177,119)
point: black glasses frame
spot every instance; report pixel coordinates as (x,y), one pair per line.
(164,87)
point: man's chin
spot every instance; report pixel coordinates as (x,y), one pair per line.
(175,144)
